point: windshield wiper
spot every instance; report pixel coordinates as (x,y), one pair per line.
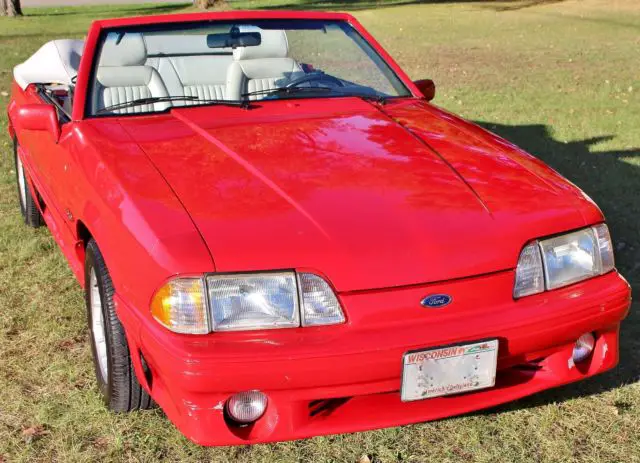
(377,98)
(287,91)
(162,99)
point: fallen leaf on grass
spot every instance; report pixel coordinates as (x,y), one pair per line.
(33,433)
(462,454)
(101,443)
(82,383)
(66,344)
(70,344)
(364,459)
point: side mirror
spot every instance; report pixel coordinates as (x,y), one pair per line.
(427,88)
(42,117)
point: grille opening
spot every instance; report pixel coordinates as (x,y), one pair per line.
(325,407)
(532,365)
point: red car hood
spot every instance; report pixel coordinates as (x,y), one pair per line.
(370,197)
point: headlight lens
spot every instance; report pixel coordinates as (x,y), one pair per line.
(253,301)
(563,260)
(181,306)
(570,258)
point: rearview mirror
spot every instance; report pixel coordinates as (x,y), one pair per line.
(234,39)
(427,88)
(41,117)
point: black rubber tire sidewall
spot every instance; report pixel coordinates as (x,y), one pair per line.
(122,391)
(29,210)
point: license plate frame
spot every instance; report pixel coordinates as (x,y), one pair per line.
(470,373)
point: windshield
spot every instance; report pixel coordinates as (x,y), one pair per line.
(153,68)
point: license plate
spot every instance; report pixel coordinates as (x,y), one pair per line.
(449,370)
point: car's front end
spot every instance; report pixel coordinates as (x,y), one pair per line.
(409,263)
(348,377)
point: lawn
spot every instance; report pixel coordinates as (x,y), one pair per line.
(559,78)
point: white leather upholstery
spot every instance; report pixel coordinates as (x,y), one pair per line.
(188,66)
(273,44)
(122,75)
(203,76)
(123,50)
(134,66)
(120,84)
(263,67)
(55,62)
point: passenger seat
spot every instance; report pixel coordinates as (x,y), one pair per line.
(122,75)
(263,67)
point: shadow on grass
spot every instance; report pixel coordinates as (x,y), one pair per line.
(612,183)
(356,5)
(106,10)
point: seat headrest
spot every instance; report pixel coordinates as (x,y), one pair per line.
(274,44)
(123,50)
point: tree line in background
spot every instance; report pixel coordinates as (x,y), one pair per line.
(10,8)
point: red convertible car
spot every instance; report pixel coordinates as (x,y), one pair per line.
(279,236)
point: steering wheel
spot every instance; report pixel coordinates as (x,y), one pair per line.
(314,76)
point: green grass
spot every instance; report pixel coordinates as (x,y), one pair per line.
(561,79)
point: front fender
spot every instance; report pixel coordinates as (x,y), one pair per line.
(143,231)
(10,110)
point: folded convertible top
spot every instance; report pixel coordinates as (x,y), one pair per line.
(55,62)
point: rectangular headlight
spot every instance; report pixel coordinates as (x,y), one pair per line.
(570,258)
(253,301)
(563,260)
(259,301)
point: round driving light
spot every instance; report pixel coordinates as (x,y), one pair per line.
(246,407)
(583,348)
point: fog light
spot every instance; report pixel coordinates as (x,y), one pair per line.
(583,348)
(246,407)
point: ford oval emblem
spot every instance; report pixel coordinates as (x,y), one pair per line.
(435,301)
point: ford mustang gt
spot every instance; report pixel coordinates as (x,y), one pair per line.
(279,236)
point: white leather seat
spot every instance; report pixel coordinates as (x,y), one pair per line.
(122,75)
(263,67)
(188,66)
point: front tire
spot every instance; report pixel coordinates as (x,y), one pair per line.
(116,377)
(28,207)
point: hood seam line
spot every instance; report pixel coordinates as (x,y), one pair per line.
(442,158)
(175,194)
(249,167)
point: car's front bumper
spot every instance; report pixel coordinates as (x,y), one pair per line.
(346,378)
